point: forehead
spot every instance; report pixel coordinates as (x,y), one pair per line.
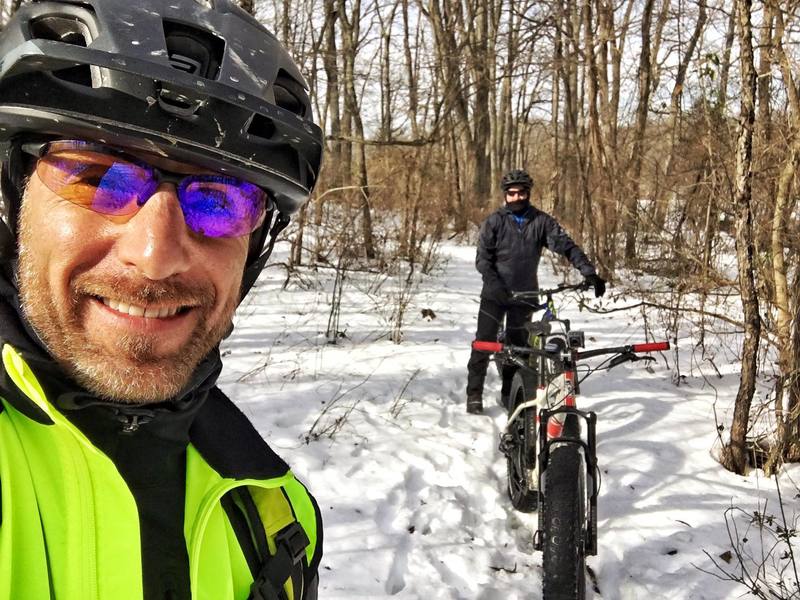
(516,189)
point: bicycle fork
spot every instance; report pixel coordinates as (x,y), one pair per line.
(589,451)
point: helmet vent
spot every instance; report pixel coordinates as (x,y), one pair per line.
(184,63)
(67,30)
(290,95)
(261,126)
(192,50)
(82,75)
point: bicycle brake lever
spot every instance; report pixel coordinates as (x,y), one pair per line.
(621,358)
(629,357)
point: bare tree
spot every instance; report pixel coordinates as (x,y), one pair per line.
(734,455)
(675,113)
(412,71)
(248,5)
(7,10)
(350,25)
(630,213)
(725,67)
(787,390)
(386,87)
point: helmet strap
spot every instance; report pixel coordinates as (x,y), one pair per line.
(252,272)
(12,186)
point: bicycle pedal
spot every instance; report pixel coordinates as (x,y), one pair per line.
(507,444)
(537,540)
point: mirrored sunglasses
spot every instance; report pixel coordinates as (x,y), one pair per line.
(110,182)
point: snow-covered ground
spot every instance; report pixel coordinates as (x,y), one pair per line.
(412,488)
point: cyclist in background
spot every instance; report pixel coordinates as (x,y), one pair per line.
(509,249)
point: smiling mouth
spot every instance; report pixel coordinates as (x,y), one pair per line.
(149,312)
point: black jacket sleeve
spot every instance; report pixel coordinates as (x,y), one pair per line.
(486,258)
(311,591)
(557,240)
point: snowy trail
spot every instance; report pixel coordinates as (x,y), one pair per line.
(413,489)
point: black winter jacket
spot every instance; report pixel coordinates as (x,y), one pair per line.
(508,255)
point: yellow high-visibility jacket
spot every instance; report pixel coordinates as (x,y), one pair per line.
(69,527)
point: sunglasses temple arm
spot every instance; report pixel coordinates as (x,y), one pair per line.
(280,224)
(252,272)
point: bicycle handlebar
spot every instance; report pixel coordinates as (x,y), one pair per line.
(482,346)
(650,347)
(583,286)
(498,347)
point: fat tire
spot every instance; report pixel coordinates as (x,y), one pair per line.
(524,496)
(564,526)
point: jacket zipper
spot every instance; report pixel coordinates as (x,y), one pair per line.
(131,423)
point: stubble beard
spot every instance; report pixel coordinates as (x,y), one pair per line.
(128,369)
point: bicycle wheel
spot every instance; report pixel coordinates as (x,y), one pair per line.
(564,525)
(521,450)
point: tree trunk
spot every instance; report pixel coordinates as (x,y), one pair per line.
(333,112)
(782,301)
(411,75)
(764,77)
(787,386)
(792,444)
(296,251)
(630,217)
(658,36)
(478,15)
(734,455)
(450,57)
(351,27)
(504,152)
(248,5)
(387,91)
(7,10)
(596,156)
(675,118)
(457,194)
(568,72)
(556,176)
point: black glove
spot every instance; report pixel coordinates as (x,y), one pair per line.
(598,283)
(496,293)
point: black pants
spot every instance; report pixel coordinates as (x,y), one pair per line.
(490,320)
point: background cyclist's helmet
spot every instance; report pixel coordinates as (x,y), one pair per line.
(199,81)
(516,178)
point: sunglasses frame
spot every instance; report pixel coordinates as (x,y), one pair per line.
(40,149)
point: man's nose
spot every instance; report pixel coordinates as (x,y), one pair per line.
(156,240)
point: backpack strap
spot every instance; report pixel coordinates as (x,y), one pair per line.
(289,557)
(272,541)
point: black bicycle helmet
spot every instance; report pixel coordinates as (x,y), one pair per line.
(200,81)
(516,178)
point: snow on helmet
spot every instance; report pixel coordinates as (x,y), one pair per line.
(199,81)
(518,178)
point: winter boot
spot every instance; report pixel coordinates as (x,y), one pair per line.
(475,404)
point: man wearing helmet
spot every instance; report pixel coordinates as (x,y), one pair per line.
(509,248)
(151,152)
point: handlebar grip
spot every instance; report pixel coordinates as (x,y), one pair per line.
(651,347)
(487,346)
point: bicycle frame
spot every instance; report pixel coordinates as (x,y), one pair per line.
(555,413)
